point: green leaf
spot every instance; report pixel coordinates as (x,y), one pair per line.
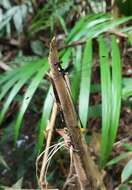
(28,96)
(17,72)
(124,187)
(127,92)
(116,92)
(48,103)
(105,26)
(127,171)
(118,158)
(37,47)
(18,184)
(9,75)
(19,17)
(83,25)
(7,17)
(75,83)
(111,97)
(127,88)
(63,24)
(127,146)
(23,78)
(3,162)
(85,84)
(5,3)
(106,99)
(130,38)
(93,25)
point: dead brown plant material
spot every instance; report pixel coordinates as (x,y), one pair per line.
(50,128)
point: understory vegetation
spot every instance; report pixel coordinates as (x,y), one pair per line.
(94,40)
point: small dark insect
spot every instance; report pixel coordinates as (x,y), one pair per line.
(63,71)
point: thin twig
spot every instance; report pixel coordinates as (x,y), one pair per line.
(121,142)
(49,137)
(78,43)
(54,148)
(74,44)
(117,33)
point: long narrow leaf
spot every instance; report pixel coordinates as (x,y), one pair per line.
(116,91)
(93,25)
(28,96)
(75,83)
(88,25)
(25,76)
(127,171)
(8,75)
(85,84)
(81,26)
(48,103)
(105,26)
(116,159)
(11,78)
(106,98)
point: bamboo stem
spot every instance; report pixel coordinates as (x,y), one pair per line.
(86,170)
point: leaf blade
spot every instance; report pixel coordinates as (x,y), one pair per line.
(27,98)
(106,99)
(85,81)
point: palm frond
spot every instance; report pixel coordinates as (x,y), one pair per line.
(87,27)
(28,96)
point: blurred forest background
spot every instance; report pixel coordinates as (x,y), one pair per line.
(94,39)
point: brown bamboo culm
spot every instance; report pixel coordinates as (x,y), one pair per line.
(89,176)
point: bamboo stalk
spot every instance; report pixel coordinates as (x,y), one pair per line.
(89,177)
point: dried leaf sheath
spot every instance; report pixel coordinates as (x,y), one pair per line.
(87,172)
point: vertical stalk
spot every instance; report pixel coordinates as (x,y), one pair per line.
(86,170)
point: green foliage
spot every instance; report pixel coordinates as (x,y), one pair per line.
(127,171)
(28,96)
(85,82)
(57,10)
(47,107)
(116,91)
(106,98)
(25,87)
(111,97)
(16,14)
(118,158)
(31,74)
(125,7)
(3,162)
(92,25)
(124,187)
(77,76)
